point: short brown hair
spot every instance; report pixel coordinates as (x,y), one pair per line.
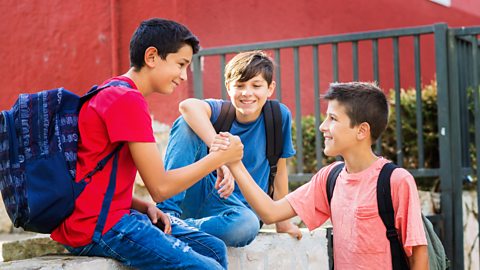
(247,65)
(364,102)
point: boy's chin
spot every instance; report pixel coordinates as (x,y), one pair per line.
(329,153)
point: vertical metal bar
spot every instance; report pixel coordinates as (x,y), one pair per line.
(197,77)
(278,80)
(456,163)
(298,110)
(464,54)
(376,78)
(222,77)
(443,59)
(355,60)
(335,61)
(316,91)
(398,108)
(476,96)
(419,103)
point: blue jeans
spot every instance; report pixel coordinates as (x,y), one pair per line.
(136,242)
(201,206)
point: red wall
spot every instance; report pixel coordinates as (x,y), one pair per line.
(79,43)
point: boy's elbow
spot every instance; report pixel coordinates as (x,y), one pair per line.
(268,219)
(159,195)
(186,104)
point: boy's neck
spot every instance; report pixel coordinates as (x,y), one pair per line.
(359,162)
(137,78)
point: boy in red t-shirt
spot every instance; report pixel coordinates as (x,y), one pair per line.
(160,53)
(357,114)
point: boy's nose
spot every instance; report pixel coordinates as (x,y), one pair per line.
(322,126)
(246,92)
(183,75)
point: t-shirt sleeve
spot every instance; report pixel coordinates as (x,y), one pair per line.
(406,205)
(288,150)
(310,201)
(215,106)
(127,119)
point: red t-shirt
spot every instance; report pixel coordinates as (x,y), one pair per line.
(116,114)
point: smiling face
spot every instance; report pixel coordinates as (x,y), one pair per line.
(168,73)
(340,136)
(249,97)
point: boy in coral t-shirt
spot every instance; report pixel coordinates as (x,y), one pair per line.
(356,116)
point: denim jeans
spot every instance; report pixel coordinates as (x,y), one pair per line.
(201,206)
(136,242)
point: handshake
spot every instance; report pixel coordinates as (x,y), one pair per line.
(230,147)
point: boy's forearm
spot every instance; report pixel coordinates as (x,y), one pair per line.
(139,205)
(263,205)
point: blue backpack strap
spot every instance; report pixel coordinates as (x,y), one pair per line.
(332,180)
(386,212)
(108,195)
(101,164)
(95,89)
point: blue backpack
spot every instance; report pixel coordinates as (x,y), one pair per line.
(38,154)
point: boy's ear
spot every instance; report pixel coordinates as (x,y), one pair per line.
(271,88)
(363,131)
(151,55)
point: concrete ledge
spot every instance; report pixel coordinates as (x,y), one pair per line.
(269,250)
(64,262)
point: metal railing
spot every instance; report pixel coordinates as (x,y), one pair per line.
(450,55)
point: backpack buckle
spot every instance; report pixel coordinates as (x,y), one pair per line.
(273,170)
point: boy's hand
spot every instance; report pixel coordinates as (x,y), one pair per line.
(225,183)
(159,219)
(287,227)
(220,142)
(230,146)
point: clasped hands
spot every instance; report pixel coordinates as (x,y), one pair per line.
(224,141)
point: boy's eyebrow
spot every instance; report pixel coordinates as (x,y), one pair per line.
(186,60)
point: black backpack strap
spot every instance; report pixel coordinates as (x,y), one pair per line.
(225,118)
(332,180)
(274,137)
(386,212)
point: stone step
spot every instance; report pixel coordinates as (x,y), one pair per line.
(269,250)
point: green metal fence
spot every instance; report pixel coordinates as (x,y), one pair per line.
(463,95)
(452,54)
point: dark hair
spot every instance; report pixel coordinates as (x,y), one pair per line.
(165,35)
(363,102)
(247,65)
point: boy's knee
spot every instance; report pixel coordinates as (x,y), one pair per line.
(243,230)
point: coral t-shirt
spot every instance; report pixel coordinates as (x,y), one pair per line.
(114,115)
(360,240)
